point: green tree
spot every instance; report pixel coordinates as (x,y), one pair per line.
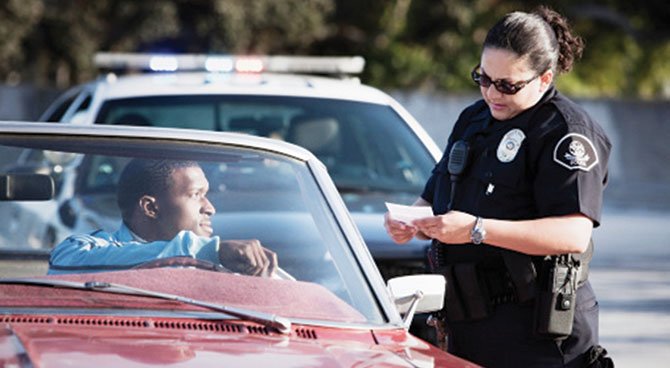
(70,32)
(17,20)
(425,44)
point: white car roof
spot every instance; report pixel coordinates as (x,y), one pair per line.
(199,83)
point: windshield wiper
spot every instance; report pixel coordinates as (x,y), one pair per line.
(281,324)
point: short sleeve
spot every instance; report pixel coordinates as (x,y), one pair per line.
(571,172)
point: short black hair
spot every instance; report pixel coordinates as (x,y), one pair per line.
(145,177)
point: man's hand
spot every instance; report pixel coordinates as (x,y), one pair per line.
(248,257)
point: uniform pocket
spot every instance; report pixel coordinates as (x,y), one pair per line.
(507,190)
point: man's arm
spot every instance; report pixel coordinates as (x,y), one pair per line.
(102,252)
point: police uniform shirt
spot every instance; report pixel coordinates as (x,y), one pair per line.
(549,160)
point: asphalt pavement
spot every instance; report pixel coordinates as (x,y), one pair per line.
(631,277)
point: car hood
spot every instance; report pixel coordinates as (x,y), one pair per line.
(35,344)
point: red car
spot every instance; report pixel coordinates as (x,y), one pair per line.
(325,305)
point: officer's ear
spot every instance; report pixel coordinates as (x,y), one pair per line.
(546,79)
(149,206)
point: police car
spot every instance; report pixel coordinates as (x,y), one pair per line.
(373,148)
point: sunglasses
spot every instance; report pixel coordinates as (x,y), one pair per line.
(502,85)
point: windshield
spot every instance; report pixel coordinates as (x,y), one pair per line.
(366,147)
(225,192)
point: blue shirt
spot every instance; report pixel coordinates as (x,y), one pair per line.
(102,251)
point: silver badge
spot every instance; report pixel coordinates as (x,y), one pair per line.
(575,152)
(510,144)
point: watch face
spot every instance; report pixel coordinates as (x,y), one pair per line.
(478,233)
(477,237)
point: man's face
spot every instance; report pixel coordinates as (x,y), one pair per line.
(185,205)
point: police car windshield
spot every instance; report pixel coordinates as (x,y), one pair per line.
(364,145)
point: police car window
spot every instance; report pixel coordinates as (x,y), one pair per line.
(85,103)
(99,174)
(173,112)
(56,113)
(363,145)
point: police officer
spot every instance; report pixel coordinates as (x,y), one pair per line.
(521,182)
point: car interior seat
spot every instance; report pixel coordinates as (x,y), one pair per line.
(318,134)
(264,126)
(132,119)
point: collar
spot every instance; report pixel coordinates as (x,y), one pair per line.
(524,118)
(124,234)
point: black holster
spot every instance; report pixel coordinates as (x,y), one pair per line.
(472,291)
(466,297)
(475,288)
(523,274)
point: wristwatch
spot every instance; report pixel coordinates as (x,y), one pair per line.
(478,234)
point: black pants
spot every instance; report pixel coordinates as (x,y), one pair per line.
(505,339)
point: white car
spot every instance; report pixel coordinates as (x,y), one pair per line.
(373,148)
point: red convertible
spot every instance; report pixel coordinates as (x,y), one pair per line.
(325,304)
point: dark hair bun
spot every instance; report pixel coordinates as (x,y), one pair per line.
(570,46)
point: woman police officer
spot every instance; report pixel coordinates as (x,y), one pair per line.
(521,179)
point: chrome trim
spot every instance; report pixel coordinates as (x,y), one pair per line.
(354,237)
(177,134)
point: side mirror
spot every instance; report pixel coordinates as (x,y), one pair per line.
(417,294)
(26,187)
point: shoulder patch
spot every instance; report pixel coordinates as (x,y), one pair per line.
(575,152)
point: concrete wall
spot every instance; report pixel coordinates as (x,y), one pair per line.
(639,165)
(24,102)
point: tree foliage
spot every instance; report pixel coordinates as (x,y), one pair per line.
(425,44)
(18,18)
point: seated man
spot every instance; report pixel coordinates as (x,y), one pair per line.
(165,214)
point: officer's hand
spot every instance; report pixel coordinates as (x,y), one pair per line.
(399,231)
(248,257)
(453,227)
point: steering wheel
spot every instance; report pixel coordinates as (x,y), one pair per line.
(183,262)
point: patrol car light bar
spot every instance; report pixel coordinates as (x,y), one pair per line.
(231,63)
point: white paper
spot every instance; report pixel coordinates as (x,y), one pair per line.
(282,275)
(407,214)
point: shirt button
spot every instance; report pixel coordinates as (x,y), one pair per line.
(489,174)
